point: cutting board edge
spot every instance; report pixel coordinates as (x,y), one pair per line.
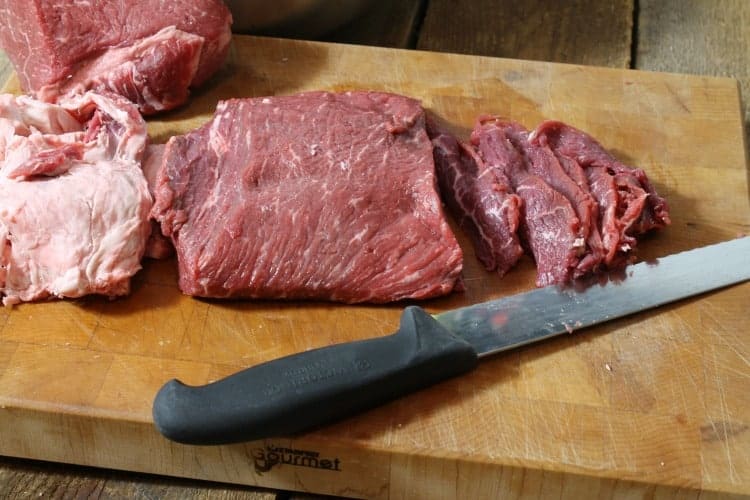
(373,472)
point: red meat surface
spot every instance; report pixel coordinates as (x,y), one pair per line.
(317,195)
(149,51)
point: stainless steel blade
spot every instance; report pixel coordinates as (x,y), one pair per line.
(521,319)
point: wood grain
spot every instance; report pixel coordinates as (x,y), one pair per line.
(697,37)
(579,31)
(33,479)
(653,403)
(387,23)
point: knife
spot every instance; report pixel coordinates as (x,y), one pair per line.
(305,390)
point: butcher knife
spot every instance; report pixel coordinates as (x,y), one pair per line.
(305,390)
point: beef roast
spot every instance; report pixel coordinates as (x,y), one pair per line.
(74,203)
(317,195)
(146,50)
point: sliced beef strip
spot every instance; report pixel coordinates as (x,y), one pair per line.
(150,51)
(550,227)
(628,203)
(482,201)
(74,203)
(317,195)
(541,161)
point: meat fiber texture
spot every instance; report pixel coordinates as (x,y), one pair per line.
(149,51)
(577,209)
(319,195)
(74,203)
(482,200)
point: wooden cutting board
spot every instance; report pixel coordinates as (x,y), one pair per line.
(653,404)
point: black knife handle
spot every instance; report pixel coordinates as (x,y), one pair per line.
(302,391)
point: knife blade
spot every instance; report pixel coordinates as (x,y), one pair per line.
(305,390)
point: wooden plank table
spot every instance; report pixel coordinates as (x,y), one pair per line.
(702,37)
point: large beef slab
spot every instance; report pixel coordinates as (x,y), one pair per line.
(317,195)
(149,51)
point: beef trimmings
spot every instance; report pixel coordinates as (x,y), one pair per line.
(74,202)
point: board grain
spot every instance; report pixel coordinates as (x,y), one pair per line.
(576,31)
(656,403)
(697,37)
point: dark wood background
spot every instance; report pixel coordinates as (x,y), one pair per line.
(708,37)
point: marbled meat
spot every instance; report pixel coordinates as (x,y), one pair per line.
(481,199)
(318,195)
(149,51)
(628,203)
(580,208)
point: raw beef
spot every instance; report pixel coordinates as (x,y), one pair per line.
(541,161)
(628,203)
(581,209)
(482,201)
(149,51)
(316,195)
(74,203)
(549,225)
